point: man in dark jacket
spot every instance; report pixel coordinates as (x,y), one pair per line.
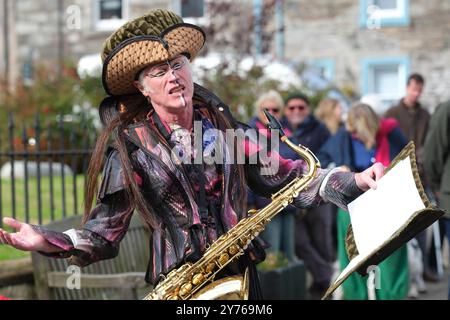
(410,114)
(413,120)
(303,127)
(437,159)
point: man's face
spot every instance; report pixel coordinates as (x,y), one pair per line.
(413,92)
(296,111)
(167,87)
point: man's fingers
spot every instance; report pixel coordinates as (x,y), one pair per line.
(5,238)
(370,182)
(367,179)
(378,170)
(14,240)
(8,238)
(13,223)
(2,238)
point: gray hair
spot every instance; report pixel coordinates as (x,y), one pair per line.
(272,96)
(141,78)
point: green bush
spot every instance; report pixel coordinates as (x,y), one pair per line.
(274,260)
(49,95)
(241,89)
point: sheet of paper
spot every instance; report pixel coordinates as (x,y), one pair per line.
(377,214)
(351,265)
(344,274)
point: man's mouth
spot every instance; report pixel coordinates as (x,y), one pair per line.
(177,89)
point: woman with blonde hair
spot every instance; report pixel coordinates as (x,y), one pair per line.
(329,112)
(363,123)
(364,140)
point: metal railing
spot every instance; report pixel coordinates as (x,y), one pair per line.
(43,168)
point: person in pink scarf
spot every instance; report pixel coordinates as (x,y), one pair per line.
(366,139)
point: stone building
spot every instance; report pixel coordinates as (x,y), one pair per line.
(364,46)
(57,31)
(372,45)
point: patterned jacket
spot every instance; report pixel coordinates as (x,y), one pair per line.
(171,195)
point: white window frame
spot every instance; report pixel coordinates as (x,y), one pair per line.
(368,76)
(374,17)
(327,65)
(109,24)
(401,74)
(397,13)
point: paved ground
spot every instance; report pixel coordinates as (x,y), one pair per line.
(437,291)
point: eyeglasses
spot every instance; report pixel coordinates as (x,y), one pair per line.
(272,109)
(160,71)
(298,107)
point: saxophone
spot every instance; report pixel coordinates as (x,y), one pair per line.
(196,280)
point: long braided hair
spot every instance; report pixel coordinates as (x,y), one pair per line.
(116,116)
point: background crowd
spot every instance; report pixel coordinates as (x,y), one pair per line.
(355,139)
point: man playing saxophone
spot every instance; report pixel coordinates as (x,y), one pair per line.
(153,114)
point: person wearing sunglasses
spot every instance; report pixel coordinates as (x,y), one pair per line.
(313,228)
(305,128)
(272,102)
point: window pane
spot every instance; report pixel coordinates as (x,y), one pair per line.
(321,71)
(110,9)
(386,79)
(192,8)
(386,4)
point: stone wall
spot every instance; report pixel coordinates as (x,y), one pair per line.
(330,29)
(313,30)
(37,31)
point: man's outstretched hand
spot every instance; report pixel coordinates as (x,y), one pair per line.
(25,238)
(367,179)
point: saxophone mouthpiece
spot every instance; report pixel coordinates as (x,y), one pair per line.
(273,123)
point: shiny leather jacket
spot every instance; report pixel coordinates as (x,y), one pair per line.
(166,186)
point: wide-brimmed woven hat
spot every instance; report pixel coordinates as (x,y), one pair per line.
(155,37)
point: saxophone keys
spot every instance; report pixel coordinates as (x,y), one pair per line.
(224,257)
(233,249)
(210,267)
(198,279)
(185,289)
(245,240)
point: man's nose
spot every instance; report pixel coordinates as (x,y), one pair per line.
(172,75)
